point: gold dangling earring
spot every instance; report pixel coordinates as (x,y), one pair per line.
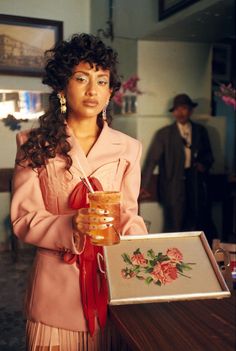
(62,102)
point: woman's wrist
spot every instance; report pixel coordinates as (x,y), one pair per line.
(77,235)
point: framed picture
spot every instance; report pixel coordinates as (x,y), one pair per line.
(163,267)
(221,62)
(23,42)
(169,7)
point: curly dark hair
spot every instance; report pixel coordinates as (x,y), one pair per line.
(50,138)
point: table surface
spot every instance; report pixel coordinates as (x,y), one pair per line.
(199,325)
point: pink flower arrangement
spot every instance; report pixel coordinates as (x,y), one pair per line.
(117,98)
(158,269)
(227,94)
(129,86)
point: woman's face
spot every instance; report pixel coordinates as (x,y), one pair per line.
(87,91)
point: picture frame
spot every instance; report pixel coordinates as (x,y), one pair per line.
(23,41)
(221,62)
(163,267)
(170,7)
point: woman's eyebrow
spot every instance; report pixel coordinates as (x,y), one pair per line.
(87,73)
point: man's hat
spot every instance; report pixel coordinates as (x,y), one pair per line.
(182,99)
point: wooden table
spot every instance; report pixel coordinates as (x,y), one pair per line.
(202,325)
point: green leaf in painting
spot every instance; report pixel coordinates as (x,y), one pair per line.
(151,253)
(152,263)
(159,255)
(164,258)
(158,283)
(136,252)
(148,280)
(186,266)
(179,267)
(136,269)
(126,258)
(148,270)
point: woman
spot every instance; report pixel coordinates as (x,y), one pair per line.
(73,140)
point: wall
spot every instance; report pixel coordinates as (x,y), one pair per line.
(169,68)
(126,46)
(221,109)
(75,15)
(138,19)
(127,56)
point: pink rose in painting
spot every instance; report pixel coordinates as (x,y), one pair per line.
(157,273)
(175,255)
(139,260)
(169,272)
(165,272)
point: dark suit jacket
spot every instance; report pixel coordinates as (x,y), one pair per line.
(167,151)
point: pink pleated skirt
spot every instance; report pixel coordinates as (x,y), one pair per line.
(41,337)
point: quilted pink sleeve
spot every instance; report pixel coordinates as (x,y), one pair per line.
(131,222)
(32,223)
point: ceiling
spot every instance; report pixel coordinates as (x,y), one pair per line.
(215,23)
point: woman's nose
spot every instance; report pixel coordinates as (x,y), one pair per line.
(91,88)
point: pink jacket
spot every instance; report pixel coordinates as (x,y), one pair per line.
(41,216)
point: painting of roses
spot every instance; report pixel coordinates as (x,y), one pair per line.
(158,269)
(162,267)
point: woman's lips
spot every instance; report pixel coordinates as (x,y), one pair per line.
(90,103)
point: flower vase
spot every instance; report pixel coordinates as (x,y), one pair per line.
(129,104)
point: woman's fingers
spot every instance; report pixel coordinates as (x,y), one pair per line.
(91,219)
(86,216)
(88,227)
(99,211)
(92,210)
(88,220)
(99,219)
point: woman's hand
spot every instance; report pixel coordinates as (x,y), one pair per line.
(90,219)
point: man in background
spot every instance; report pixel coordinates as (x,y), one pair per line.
(184,156)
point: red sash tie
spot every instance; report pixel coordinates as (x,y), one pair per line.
(93,284)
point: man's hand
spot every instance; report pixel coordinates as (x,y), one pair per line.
(144,194)
(199,167)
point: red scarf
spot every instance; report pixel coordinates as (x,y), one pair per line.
(93,284)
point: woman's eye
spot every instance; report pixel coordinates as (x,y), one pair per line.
(81,79)
(102,82)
